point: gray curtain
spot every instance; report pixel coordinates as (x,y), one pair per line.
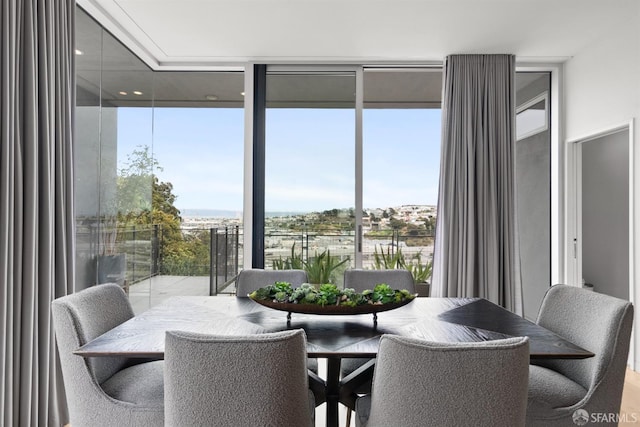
(475,250)
(36,203)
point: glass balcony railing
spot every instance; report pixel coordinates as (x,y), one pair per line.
(129,255)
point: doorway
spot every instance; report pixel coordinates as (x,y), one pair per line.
(603,207)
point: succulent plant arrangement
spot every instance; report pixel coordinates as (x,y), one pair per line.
(329,294)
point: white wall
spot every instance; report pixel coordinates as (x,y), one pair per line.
(602,91)
(605,214)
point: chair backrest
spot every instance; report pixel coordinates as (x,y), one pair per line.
(360,279)
(425,383)
(251,279)
(596,322)
(254,380)
(77,319)
(80,317)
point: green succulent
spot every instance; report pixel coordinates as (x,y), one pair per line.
(329,294)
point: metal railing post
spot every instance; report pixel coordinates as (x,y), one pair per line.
(133,257)
(226,254)
(154,250)
(237,261)
(213,286)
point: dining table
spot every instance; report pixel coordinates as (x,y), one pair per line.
(332,337)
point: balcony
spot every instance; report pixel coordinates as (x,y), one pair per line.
(151,270)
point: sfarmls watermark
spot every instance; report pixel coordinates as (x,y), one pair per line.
(582,417)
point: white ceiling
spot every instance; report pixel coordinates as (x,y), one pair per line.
(189,34)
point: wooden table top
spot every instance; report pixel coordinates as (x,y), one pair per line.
(334,336)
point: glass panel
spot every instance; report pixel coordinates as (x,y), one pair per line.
(87,148)
(401,163)
(533,188)
(198,147)
(158,173)
(107,76)
(310,170)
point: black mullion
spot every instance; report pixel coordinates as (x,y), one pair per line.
(259,107)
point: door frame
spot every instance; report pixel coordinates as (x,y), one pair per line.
(573,253)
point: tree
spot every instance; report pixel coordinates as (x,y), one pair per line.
(144,201)
(135,182)
(397,224)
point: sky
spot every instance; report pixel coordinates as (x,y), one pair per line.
(310,156)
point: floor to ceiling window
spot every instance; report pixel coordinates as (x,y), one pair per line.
(158,171)
(351,170)
(401,166)
(109,77)
(351,167)
(309,166)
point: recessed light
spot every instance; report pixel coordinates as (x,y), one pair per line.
(211,97)
(242,93)
(137,92)
(123,93)
(79,52)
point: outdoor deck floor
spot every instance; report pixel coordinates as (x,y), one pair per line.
(153,291)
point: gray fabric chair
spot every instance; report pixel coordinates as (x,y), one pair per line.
(596,322)
(360,280)
(104,391)
(254,380)
(251,279)
(419,383)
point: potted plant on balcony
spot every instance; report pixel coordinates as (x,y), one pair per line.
(292,262)
(321,268)
(112,265)
(420,271)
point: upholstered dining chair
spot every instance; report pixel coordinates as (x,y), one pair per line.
(253,278)
(210,380)
(360,280)
(104,391)
(558,388)
(418,383)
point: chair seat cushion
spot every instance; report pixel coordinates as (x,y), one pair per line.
(141,384)
(549,390)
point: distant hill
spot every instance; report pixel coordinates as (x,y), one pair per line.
(210,213)
(218,213)
(221,213)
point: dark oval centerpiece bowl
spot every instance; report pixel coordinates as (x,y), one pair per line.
(327,299)
(331,309)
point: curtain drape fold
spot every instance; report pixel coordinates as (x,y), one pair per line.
(37,92)
(476,251)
